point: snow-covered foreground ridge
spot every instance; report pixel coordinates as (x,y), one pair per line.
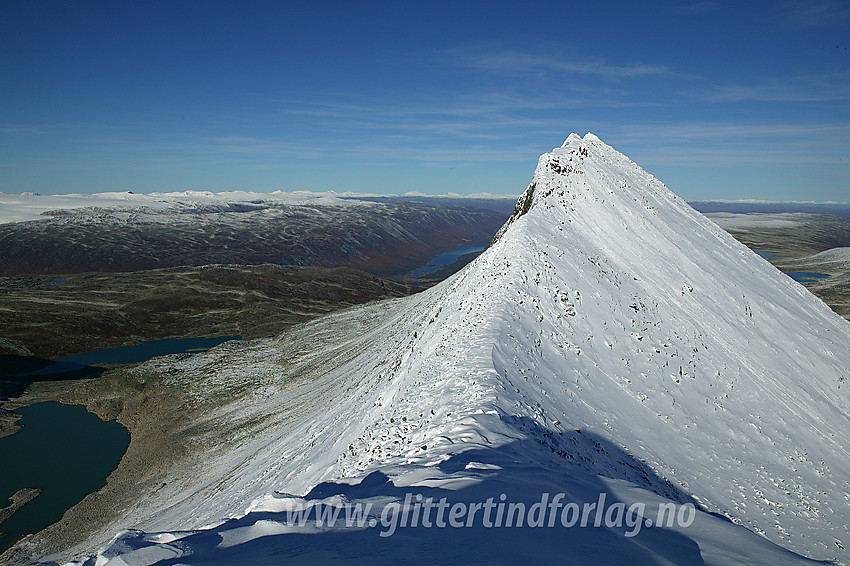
(611,340)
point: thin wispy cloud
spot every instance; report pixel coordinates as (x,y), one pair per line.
(724,144)
(22,129)
(695,9)
(519,62)
(814,14)
(382,154)
(194,149)
(721,157)
(448,104)
(834,87)
(448,118)
(714,132)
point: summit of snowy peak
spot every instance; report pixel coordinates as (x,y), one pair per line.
(574,139)
(585,174)
(576,148)
(571,139)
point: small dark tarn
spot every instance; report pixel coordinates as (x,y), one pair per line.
(146,350)
(17,372)
(806,277)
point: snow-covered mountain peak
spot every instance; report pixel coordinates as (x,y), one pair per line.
(564,170)
(637,294)
(609,330)
(617,308)
(585,177)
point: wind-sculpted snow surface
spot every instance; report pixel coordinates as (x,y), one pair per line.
(610,341)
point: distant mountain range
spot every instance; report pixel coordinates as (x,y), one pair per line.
(770,207)
(386,238)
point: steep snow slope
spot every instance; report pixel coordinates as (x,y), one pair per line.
(610,330)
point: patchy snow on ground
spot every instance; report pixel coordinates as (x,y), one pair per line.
(835,258)
(28,206)
(742,222)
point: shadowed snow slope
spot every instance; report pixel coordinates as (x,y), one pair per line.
(611,340)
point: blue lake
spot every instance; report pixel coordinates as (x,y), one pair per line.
(805,277)
(145,351)
(78,366)
(64,451)
(447,258)
(765,255)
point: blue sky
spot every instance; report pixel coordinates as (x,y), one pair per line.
(718,100)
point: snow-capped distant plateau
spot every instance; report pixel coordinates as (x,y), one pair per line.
(735,221)
(31,206)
